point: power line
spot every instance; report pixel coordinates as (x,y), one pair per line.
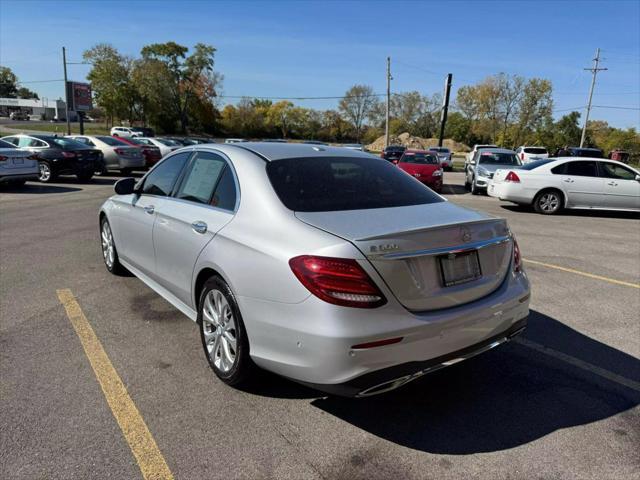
(616,107)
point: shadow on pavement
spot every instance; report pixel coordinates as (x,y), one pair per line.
(507,397)
(578,213)
(35,187)
(449,189)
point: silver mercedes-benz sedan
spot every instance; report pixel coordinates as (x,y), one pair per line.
(325,265)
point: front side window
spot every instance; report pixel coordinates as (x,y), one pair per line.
(202,177)
(161,179)
(612,170)
(323,184)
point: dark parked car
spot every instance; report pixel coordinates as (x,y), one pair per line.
(184,141)
(579,152)
(59,156)
(393,153)
(145,131)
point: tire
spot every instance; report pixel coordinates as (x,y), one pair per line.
(110,258)
(467,185)
(84,177)
(474,188)
(46,174)
(548,202)
(227,351)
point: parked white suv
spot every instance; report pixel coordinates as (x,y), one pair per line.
(125,132)
(531,154)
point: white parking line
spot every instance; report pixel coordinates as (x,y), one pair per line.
(580,364)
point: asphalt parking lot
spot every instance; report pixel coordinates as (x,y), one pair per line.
(562,402)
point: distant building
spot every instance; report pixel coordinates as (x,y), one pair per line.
(43,109)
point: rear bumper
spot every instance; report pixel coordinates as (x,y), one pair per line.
(18,176)
(125,162)
(388,379)
(511,192)
(311,341)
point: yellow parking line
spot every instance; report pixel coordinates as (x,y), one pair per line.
(584,274)
(151,462)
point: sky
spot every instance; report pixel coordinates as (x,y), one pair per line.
(312,49)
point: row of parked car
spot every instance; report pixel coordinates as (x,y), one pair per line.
(577,178)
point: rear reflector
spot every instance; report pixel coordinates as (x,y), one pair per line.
(379,343)
(512,177)
(340,281)
(517,258)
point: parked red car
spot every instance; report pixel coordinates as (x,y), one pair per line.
(150,153)
(423,166)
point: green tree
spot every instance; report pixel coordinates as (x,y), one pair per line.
(182,73)
(8,83)
(24,92)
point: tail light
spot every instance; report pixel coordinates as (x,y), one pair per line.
(33,157)
(522,156)
(517,258)
(69,154)
(3,158)
(512,177)
(381,154)
(120,151)
(340,281)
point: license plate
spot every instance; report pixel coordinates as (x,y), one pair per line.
(18,161)
(460,268)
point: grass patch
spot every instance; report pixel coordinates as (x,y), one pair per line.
(60,128)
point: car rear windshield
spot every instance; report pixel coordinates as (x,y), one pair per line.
(419,158)
(168,142)
(535,150)
(327,184)
(536,164)
(439,149)
(498,158)
(68,144)
(587,152)
(395,149)
(112,142)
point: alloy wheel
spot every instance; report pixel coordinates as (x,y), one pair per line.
(107,245)
(219,330)
(549,202)
(45,172)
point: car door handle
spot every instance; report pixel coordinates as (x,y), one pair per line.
(199,227)
(613,184)
(149,209)
(568,180)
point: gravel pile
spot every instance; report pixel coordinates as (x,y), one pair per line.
(411,141)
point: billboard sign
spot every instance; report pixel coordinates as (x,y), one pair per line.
(79,95)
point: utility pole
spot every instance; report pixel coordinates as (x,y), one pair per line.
(66,90)
(594,71)
(445,107)
(386,124)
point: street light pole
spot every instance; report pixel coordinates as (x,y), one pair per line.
(594,71)
(66,90)
(386,123)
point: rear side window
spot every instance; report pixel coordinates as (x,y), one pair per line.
(5,144)
(12,140)
(582,169)
(225,195)
(535,150)
(326,184)
(201,178)
(162,178)
(112,142)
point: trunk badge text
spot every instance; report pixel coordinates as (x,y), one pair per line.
(465,234)
(384,248)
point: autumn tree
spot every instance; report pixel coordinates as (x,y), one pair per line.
(357,105)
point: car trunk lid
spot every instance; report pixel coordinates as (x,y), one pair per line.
(430,256)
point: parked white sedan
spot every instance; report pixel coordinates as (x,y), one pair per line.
(570,182)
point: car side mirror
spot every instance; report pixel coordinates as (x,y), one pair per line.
(637,178)
(126,186)
(472,162)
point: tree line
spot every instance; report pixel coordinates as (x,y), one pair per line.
(173,89)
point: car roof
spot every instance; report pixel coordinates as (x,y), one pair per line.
(416,150)
(270,151)
(498,150)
